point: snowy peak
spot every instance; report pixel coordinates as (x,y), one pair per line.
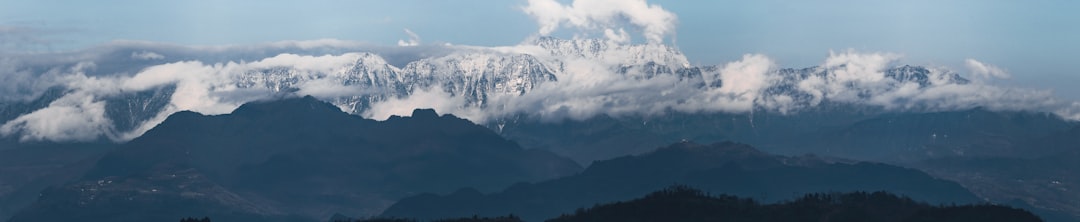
(611,52)
(369,71)
(923,76)
(888,87)
(374,72)
(478,74)
(472,79)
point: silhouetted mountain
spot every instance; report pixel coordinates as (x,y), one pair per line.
(730,168)
(1043,180)
(27,168)
(998,139)
(971,133)
(841,130)
(290,159)
(585,141)
(1044,185)
(680,203)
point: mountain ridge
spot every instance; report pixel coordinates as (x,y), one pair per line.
(287,160)
(731,168)
(478,76)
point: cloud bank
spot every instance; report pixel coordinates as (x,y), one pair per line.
(604,16)
(122,89)
(485,84)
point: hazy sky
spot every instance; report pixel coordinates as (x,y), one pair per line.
(1036,41)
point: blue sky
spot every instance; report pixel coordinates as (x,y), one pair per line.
(1034,40)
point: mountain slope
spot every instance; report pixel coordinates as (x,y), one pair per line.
(28,168)
(292,158)
(1045,180)
(729,168)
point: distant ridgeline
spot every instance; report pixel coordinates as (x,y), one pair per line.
(729,168)
(302,159)
(296,159)
(683,203)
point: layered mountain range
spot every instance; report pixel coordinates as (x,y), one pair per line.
(296,159)
(527,101)
(301,159)
(729,168)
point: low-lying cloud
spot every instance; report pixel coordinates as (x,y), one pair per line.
(583,86)
(546,79)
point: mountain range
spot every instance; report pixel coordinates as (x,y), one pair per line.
(240,165)
(728,168)
(292,159)
(301,159)
(477,76)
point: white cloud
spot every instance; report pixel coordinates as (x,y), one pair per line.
(205,88)
(859,78)
(1072,111)
(620,37)
(985,71)
(74,117)
(850,76)
(851,66)
(743,81)
(433,98)
(607,16)
(307,63)
(747,76)
(414,39)
(146,55)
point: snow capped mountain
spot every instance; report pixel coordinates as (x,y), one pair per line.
(369,71)
(808,87)
(923,76)
(617,77)
(477,76)
(895,76)
(611,52)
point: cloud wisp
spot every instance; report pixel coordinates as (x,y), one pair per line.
(414,39)
(985,71)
